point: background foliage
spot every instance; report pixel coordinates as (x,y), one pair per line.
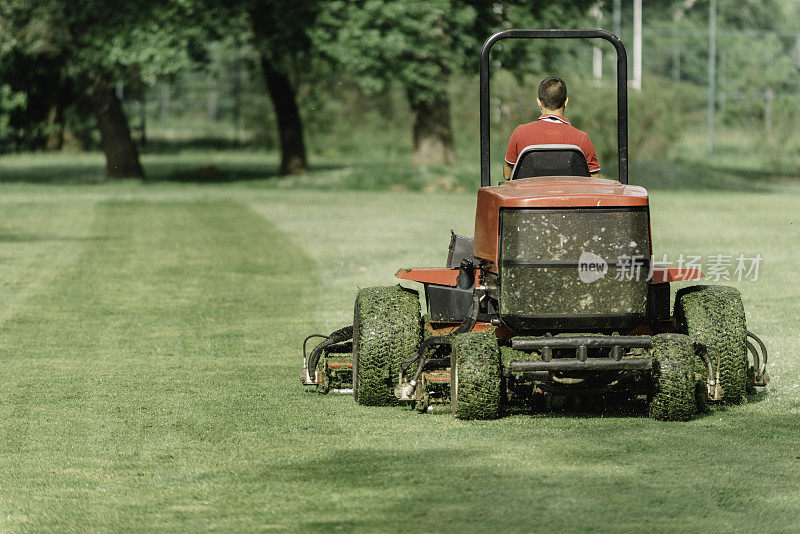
(189,71)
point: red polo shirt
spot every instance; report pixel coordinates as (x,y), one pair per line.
(551,130)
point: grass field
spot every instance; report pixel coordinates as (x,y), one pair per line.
(150,344)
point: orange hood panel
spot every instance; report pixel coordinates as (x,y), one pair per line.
(565,192)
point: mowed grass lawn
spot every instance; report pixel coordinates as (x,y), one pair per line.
(150,355)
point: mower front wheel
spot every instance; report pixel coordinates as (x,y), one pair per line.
(475,376)
(714,316)
(673,397)
(387,329)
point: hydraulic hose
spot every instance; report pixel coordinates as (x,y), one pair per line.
(713,387)
(346,334)
(423,349)
(466,325)
(760,375)
(339,336)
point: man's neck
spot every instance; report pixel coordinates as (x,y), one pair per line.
(558,112)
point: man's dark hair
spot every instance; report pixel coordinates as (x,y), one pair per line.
(553,93)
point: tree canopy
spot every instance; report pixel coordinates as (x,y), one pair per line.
(65,54)
(61,60)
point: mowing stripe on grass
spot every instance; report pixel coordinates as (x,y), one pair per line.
(37,242)
(135,385)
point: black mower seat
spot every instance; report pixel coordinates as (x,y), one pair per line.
(550,160)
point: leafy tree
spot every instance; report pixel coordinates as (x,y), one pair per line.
(416,43)
(280,30)
(10,102)
(90,44)
(421,43)
(30,68)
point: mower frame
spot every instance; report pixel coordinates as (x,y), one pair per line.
(622,93)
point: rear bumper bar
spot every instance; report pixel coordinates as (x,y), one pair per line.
(573,342)
(581,344)
(590,364)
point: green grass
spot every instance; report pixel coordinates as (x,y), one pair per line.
(150,342)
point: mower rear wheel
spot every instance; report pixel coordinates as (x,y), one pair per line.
(475,376)
(714,316)
(673,397)
(387,329)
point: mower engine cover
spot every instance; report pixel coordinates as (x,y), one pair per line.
(569,253)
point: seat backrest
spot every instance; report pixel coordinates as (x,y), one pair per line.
(550,160)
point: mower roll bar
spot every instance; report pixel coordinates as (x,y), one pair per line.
(622,89)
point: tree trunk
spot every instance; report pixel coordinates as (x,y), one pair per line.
(290,126)
(433,133)
(122,157)
(55,127)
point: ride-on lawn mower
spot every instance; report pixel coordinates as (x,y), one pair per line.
(526,312)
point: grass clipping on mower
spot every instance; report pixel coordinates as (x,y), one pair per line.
(387,330)
(478,376)
(673,378)
(714,316)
